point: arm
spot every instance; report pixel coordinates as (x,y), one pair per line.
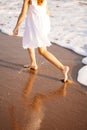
(21,16)
(47,10)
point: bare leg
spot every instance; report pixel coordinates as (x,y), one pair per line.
(51,58)
(32,58)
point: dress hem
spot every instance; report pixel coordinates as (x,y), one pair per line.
(36,47)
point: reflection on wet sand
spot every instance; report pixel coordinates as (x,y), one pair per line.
(15,124)
(34,111)
(29,84)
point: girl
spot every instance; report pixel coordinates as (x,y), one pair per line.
(37,27)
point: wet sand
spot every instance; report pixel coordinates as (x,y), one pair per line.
(39,100)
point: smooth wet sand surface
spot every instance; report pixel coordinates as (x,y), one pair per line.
(39,100)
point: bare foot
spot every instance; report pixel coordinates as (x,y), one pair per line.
(30,67)
(65,72)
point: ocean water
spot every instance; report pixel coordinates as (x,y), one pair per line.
(68,25)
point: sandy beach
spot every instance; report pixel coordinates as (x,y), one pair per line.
(39,100)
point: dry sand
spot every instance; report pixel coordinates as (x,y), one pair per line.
(39,100)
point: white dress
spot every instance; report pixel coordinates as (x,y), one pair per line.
(37,26)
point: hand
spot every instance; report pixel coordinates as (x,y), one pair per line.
(15,31)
